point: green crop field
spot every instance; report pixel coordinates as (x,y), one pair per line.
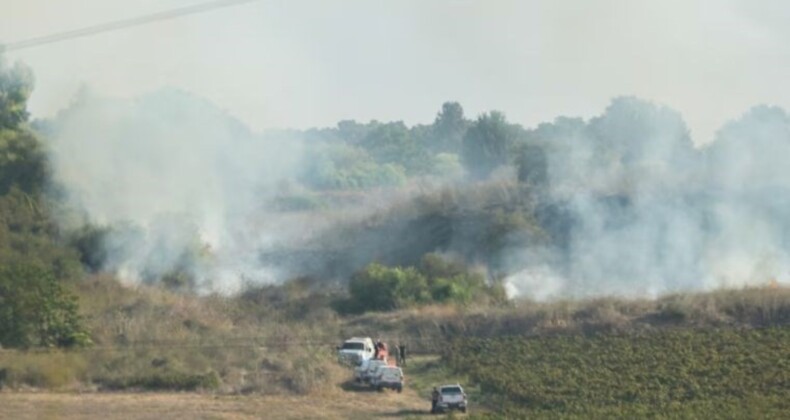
(730,373)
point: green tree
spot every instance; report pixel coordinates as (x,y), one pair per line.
(23,161)
(392,143)
(634,132)
(28,234)
(353,132)
(436,280)
(532,165)
(486,144)
(36,310)
(16,85)
(449,128)
(380,288)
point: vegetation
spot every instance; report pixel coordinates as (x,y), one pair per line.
(427,270)
(36,307)
(436,280)
(672,373)
(35,310)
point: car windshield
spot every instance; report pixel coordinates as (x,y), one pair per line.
(451,390)
(353,346)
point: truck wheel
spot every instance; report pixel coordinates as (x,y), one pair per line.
(463,410)
(400,389)
(379,388)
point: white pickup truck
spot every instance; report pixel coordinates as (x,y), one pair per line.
(450,397)
(368,369)
(388,377)
(355,351)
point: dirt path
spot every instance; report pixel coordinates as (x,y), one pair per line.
(160,406)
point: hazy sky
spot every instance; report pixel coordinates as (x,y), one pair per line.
(303,63)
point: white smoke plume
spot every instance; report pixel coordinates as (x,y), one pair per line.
(632,207)
(183,185)
(650,214)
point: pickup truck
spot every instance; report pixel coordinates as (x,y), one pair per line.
(388,377)
(366,371)
(355,351)
(450,397)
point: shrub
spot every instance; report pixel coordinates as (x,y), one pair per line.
(35,310)
(380,288)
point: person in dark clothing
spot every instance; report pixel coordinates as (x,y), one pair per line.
(434,399)
(402,354)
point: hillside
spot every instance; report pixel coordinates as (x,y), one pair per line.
(722,352)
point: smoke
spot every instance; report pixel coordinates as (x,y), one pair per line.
(629,206)
(182,185)
(651,214)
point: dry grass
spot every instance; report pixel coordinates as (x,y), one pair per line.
(156,406)
(51,370)
(150,338)
(275,342)
(748,307)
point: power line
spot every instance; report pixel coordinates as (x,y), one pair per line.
(122,24)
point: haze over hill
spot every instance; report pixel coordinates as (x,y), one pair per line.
(622,203)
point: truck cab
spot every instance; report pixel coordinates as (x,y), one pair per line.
(355,350)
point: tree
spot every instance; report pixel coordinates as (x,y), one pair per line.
(16,85)
(449,128)
(353,132)
(486,144)
(380,288)
(23,162)
(28,234)
(392,143)
(436,280)
(634,132)
(751,151)
(532,165)
(35,309)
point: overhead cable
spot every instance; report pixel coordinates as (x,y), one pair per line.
(121,24)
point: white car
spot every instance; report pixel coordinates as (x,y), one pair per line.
(388,377)
(365,371)
(451,397)
(355,351)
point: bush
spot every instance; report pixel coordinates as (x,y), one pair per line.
(35,310)
(377,287)
(380,288)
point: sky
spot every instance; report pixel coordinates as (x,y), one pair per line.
(306,63)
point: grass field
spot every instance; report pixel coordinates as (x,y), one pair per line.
(720,354)
(732,373)
(158,406)
(682,373)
